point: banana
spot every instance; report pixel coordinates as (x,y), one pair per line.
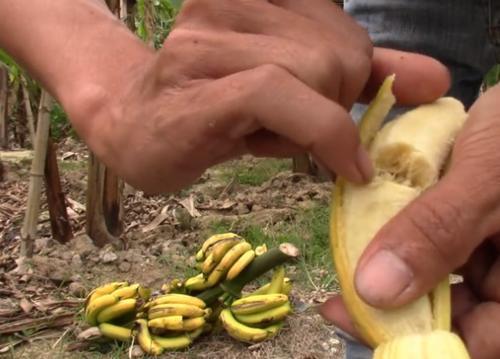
(226,262)
(409,155)
(127,292)
(258,303)
(269,316)
(196,283)
(117,310)
(240,264)
(175,298)
(217,238)
(222,247)
(97,305)
(286,288)
(173,322)
(200,256)
(104,289)
(197,332)
(185,310)
(188,325)
(208,264)
(277,280)
(244,332)
(148,345)
(437,345)
(115,332)
(173,343)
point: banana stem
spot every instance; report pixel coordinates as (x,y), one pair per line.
(286,252)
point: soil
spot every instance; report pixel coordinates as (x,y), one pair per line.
(160,233)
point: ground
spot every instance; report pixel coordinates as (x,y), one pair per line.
(258,198)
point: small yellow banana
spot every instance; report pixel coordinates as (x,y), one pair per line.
(185,310)
(196,283)
(208,264)
(191,324)
(222,247)
(104,289)
(260,250)
(258,303)
(174,298)
(148,345)
(115,332)
(286,288)
(173,322)
(226,262)
(277,280)
(240,264)
(117,310)
(173,343)
(217,238)
(98,304)
(127,292)
(267,317)
(244,332)
(200,256)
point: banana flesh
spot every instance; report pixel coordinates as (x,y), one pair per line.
(436,345)
(409,155)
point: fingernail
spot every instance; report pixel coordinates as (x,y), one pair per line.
(365,165)
(383,278)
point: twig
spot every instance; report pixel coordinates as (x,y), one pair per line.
(60,338)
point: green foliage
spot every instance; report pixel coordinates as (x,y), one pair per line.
(255,174)
(493,76)
(162,19)
(60,126)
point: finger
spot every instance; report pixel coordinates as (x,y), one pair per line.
(478,266)
(268,144)
(213,55)
(491,283)
(419,79)
(480,330)
(417,249)
(269,98)
(334,311)
(343,45)
(463,300)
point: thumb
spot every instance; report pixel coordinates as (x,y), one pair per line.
(421,245)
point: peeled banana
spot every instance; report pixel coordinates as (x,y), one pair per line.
(409,155)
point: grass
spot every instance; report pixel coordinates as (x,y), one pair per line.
(309,232)
(69,166)
(254,173)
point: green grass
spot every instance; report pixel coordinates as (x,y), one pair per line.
(254,174)
(493,76)
(309,232)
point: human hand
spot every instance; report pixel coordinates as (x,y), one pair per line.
(267,78)
(454,226)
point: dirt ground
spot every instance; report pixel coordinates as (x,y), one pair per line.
(40,310)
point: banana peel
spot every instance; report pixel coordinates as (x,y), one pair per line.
(409,155)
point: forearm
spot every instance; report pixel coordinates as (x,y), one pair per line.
(76,49)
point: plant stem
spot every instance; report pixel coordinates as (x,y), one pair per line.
(276,256)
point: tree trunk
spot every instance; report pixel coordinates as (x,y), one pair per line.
(4,95)
(104,209)
(28,232)
(304,164)
(59,221)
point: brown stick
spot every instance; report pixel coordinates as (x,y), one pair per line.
(28,231)
(30,119)
(59,221)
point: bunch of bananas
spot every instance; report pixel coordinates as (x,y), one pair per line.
(171,322)
(260,315)
(222,256)
(113,307)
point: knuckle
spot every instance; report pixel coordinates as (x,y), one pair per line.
(324,67)
(193,9)
(440,227)
(268,74)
